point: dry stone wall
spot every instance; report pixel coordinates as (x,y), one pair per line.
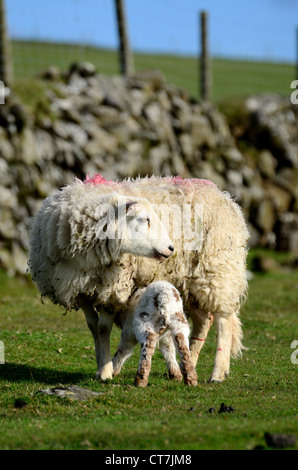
(90,123)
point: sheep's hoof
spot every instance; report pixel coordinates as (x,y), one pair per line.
(105,372)
(218,378)
(214,381)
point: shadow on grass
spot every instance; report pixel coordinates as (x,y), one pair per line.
(23,373)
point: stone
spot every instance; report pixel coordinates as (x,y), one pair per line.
(72,392)
(234,178)
(27,150)
(84,69)
(20,259)
(52,73)
(266,163)
(201,133)
(265,217)
(280,197)
(7,151)
(287,232)
(280,440)
(233,157)
(8,198)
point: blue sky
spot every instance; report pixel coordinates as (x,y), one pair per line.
(259,29)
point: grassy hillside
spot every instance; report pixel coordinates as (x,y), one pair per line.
(230,77)
(43,349)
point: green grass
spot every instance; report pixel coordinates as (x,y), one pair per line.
(230,77)
(44,348)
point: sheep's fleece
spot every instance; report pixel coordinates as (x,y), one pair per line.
(69,263)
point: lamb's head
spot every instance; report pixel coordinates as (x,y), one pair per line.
(141,231)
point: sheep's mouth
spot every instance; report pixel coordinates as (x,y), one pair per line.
(159,256)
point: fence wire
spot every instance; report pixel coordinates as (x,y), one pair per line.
(45,34)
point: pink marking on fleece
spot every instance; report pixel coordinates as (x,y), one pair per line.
(98,179)
(188,182)
(177,180)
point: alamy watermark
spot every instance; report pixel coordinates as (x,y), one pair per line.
(294,359)
(156,222)
(294,94)
(2,93)
(2,355)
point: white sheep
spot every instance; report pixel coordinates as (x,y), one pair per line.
(93,244)
(156,315)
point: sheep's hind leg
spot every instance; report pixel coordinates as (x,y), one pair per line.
(105,325)
(202,322)
(92,322)
(224,343)
(168,350)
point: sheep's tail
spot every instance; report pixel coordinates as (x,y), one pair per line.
(237,336)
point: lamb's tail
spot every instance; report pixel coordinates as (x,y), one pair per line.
(237,336)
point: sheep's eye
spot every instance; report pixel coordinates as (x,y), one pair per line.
(144,314)
(146,219)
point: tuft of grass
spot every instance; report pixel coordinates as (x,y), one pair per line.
(44,348)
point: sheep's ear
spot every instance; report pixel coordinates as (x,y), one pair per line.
(130,205)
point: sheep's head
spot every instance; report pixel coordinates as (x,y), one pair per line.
(141,231)
(126,225)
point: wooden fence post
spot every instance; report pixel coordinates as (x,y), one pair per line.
(125,55)
(6,69)
(296,71)
(205,69)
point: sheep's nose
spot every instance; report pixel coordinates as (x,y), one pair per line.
(171,248)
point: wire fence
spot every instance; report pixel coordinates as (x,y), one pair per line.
(44,34)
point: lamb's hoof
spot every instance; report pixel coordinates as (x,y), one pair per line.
(116,371)
(175,374)
(140,382)
(191,382)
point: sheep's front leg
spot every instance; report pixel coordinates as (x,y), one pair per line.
(105,325)
(224,342)
(92,322)
(180,332)
(147,351)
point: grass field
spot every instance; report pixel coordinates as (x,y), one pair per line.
(44,348)
(230,77)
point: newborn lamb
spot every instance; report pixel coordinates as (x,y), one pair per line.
(156,314)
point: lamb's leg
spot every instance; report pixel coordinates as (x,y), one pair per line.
(124,351)
(105,325)
(223,353)
(92,322)
(147,351)
(168,350)
(180,331)
(202,322)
